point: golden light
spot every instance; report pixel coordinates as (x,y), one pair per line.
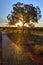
(19,24)
(26,25)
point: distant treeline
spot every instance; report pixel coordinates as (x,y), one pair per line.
(20,28)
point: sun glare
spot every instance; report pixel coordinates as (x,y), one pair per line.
(26,25)
(19,24)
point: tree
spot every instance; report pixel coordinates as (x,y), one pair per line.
(24,13)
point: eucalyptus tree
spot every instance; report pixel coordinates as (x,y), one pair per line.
(25,13)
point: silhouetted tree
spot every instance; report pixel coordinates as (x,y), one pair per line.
(24,13)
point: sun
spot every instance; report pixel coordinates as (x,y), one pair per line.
(26,25)
(19,24)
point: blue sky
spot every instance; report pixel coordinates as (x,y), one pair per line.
(6,7)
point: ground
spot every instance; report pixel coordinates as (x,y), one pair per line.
(30,41)
(0,48)
(22,47)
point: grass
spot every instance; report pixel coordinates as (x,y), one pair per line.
(25,37)
(18,35)
(26,40)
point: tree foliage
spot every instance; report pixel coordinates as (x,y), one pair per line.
(24,13)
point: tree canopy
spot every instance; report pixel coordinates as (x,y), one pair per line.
(24,13)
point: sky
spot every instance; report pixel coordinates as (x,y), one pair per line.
(6,7)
